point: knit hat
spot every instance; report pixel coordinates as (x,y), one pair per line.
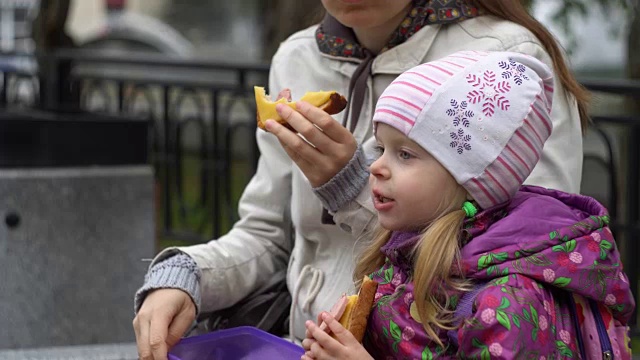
(483,115)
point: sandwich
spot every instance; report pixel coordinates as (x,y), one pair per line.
(329,101)
(353,311)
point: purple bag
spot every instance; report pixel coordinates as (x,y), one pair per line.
(242,342)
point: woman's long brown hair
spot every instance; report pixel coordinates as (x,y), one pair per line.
(515,11)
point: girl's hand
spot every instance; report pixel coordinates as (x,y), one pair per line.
(321,346)
(308,341)
(329,145)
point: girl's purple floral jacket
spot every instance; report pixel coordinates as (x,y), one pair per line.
(541,243)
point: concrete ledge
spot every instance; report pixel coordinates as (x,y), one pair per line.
(123,351)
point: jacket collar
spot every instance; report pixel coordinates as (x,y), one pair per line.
(335,39)
(395,60)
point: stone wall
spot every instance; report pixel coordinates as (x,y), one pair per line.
(72,242)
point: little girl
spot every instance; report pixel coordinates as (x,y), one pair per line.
(470,263)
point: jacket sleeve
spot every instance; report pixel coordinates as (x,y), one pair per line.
(347,196)
(346,185)
(507,323)
(560,166)
(241,261)
(357,215)
(175,272)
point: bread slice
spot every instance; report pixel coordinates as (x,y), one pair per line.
(359,314)
(358,307)
(329,101)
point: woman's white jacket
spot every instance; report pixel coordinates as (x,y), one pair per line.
(320,260)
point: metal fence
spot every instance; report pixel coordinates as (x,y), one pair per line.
(202,118)
(622,170)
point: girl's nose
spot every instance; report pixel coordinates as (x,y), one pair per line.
(379,169)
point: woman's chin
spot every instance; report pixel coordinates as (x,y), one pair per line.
(355,19)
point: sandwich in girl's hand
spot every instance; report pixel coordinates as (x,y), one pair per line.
(353,311)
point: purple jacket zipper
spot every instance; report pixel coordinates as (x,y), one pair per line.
(605,343)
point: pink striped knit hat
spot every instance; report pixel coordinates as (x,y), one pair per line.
(483,115)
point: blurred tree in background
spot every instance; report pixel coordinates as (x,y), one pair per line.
(284,17)
(582,8)
(572,9)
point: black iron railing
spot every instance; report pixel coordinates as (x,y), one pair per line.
(624,173)
(202,117)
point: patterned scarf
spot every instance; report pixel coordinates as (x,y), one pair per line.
(336,39)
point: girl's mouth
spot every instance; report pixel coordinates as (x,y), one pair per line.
(382,203)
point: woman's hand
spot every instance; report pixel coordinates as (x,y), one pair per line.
(329,145)
(164,317)
(321,346)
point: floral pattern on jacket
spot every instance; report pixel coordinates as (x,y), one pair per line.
(532,254)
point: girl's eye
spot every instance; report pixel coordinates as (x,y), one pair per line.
(378,150)
(405,155)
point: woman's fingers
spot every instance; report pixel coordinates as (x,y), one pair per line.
(158,339)
(141,327)
(327,135)
(298,150)
(179,327)
(331,128)
(151,335)
(306,127)
(318,156)
(163,318)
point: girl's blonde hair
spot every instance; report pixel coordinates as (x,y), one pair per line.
(435,258)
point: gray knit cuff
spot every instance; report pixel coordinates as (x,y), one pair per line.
(346,185)
(177,272)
